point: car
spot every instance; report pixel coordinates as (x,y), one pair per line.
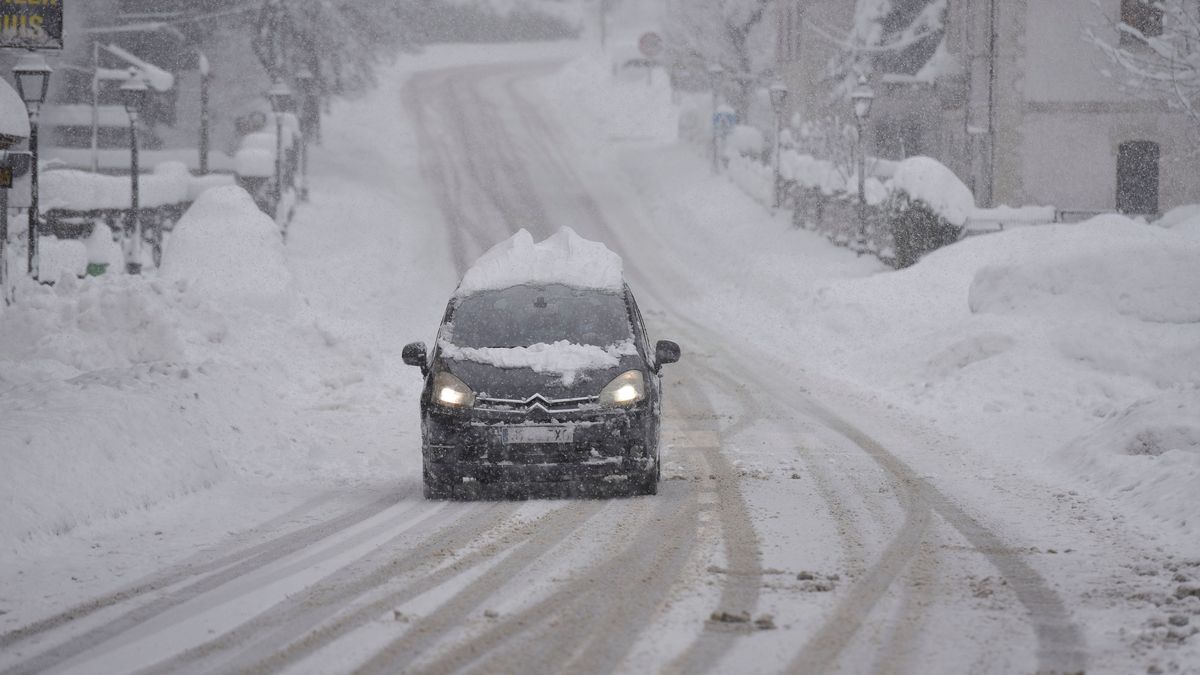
(542,381)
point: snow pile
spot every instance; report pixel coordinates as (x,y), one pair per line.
(58,257)
(1088,334)
(226,249)
(929,181)
(563,258)
(1182,219)
(561,358)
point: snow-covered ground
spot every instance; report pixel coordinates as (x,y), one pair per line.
(1041,376)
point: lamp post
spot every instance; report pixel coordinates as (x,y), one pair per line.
(205,80)
(33,82)
(715,73)
(280,97)
(779,100)
(862,97)
(305,80)
(133,95)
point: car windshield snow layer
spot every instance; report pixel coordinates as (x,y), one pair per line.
(521,316)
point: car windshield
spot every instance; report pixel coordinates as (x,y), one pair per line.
(521,316)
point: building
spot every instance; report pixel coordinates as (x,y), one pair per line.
(1014,102)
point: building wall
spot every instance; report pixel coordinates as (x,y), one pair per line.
(1031,119)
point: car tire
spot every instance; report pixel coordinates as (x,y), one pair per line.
(437,489)
(648,485)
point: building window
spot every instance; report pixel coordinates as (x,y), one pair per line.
(1144,16)
(1137,177)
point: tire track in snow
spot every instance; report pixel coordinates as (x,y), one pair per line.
(295,619)
(1061,646)
(209,574)
(548,533)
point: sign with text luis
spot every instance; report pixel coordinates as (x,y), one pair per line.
(31,24)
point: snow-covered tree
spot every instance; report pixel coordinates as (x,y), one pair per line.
(900,37)
(1156,53)
(736,34)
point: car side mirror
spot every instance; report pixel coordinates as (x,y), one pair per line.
(415,355)
(666,352)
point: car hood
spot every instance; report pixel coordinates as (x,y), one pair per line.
(519,384)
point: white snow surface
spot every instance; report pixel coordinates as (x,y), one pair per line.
(227,250)
(932,182)
(1062,356)
(563,358)
(562,258)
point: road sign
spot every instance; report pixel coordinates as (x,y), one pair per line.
(724,121)
(651,45)
(33,24)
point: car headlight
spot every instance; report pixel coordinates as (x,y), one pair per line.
(626,389)
(451,392)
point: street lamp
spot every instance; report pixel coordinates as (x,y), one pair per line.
(33,82)
(715,73)
(862,96)
(280,97)
(305,80)
(779,101)
(205,81)
(133,95)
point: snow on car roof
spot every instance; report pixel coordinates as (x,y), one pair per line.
(563,258)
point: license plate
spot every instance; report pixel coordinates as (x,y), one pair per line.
(558,434)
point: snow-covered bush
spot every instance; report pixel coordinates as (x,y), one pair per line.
(928,209)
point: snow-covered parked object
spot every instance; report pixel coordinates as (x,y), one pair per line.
(564,258)
(928,180)
(14,120)
(225,248)
(560,358)
(71,190)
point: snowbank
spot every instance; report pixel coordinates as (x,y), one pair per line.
(618,109)
(1086,335)
(930,181)
(561,358)
(226,249)
(563,258)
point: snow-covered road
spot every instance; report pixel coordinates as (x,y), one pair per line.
(803,525)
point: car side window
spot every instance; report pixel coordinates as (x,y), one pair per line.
(639,328)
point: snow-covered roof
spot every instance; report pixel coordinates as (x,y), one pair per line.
(564,258)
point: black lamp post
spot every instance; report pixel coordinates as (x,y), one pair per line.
(205,80)
(862,97)
(779,100)
(715,73)
(280,97)
(305,80)
(33,82)
(133,95)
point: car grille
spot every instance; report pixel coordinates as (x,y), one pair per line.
(537,402)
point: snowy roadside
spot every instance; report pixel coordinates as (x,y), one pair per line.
(239,364)
(1066,354)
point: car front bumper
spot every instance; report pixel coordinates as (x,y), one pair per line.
(608,448)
